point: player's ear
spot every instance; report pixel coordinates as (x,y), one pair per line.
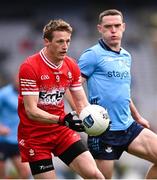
(46,41)
(124,27)
(99,28)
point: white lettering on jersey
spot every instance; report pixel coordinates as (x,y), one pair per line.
(45,77)
(53,97)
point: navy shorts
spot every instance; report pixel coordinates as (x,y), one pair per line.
(112,144)
(8,150)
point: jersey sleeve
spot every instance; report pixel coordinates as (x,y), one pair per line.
(28,80)
(87,63)
(76,83)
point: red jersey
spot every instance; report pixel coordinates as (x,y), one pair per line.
(38,76)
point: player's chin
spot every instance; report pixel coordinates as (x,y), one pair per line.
(115,42)
(62,56)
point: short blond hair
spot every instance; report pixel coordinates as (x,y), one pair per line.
(55,25)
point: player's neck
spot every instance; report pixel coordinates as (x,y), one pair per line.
(110,47)
(114,47)
(51,58)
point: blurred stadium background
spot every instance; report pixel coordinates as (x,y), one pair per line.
(21,24)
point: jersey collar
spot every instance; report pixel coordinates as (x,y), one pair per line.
(104,46)
(48,62)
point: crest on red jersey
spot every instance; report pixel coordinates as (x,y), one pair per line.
(69,75)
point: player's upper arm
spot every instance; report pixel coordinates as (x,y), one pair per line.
(86,60)
(30,104)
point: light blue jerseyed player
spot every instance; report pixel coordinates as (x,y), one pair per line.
(106,68)
(108,82)
(8,113)
(8,131)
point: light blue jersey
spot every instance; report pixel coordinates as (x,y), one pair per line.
(108,82)
(8,112)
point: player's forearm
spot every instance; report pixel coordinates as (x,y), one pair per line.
(80,100)
(38,114)
(135,114)
(80,106)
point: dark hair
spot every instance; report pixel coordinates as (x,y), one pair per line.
(55,25)
(109,12)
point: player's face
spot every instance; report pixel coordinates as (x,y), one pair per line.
(57,48)
(112,29)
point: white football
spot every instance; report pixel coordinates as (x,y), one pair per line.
(95,119)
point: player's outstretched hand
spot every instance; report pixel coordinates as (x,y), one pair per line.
(72,121)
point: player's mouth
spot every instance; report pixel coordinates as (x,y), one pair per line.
(114,38)
(63,53)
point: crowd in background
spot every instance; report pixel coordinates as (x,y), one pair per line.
(20,28)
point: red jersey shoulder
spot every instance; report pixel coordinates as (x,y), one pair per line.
(71,63)
(32,60)
(69,60)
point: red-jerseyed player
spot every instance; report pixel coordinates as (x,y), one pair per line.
(44,129)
